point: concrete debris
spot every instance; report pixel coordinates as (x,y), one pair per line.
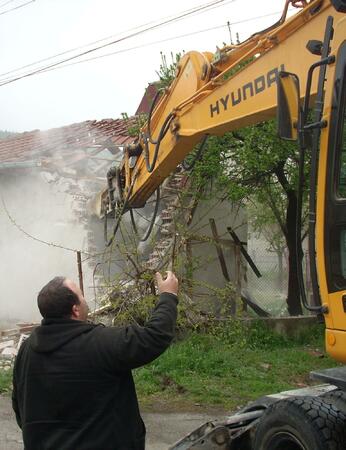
(6,344)
(10,342)
(9,353)
(50,177)
(14,333)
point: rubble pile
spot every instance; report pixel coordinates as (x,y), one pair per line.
(10,342)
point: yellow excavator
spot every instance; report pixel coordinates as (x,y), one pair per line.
(241,85)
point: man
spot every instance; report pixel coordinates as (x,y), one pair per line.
(72,382)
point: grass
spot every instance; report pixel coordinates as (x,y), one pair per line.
(229,367)
(225,368)
(5,381)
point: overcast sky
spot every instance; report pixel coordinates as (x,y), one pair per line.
(105,87)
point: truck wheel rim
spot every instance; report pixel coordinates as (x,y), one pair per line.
(284,440)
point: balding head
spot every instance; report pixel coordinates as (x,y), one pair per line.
(61,298)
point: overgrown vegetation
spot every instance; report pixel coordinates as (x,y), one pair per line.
(135,302)
(134,126)
(167,70)
(5,380)
(230,365)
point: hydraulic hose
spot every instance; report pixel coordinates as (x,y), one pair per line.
(108,242)
(165,127)
(152,106)
(199,152)
(152,221)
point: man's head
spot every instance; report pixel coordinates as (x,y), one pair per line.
(61,298)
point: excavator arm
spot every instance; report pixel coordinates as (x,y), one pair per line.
(216,93)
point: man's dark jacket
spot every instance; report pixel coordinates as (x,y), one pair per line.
(73,387)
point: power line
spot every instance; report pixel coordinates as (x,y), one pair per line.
(58,65)
(17,7)
(69,51)
(6,3)
(170,19)
(160,41)
(189,11)
(50,244)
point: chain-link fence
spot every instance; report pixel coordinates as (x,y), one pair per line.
(270,290)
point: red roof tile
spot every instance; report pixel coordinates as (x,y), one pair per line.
(29,145)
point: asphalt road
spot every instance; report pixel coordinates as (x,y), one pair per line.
(162,429)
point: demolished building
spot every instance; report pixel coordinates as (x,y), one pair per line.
(71,163)
(46,180)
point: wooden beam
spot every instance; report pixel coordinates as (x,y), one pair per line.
(253,305)
(222,261)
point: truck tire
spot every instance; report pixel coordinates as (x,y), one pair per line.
(336,398)
(301,423)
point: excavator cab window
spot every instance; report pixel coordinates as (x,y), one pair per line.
(335,188)
(341,191)
(341,183)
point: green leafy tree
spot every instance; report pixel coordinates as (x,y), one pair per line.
(254,163)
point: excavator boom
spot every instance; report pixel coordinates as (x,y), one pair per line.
(213,94)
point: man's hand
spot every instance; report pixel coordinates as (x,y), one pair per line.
(170,284)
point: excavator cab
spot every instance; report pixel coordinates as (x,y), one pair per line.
(319,126)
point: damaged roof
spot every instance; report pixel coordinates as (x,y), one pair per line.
(107,133)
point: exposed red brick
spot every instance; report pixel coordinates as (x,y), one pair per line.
(147,99)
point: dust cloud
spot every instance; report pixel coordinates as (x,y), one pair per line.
(44,210)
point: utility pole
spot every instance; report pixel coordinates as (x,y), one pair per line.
(230,32)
